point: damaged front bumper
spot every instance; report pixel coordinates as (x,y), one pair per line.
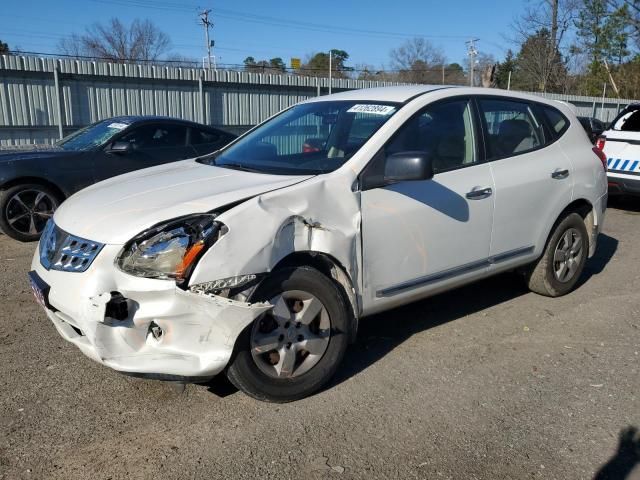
(160,331)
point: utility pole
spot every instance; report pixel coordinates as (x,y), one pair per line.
(330,57)
(207,24)
(473,53)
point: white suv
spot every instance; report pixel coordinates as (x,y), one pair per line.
(621,145)
(260,260)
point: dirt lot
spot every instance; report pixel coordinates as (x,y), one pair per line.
(488,381)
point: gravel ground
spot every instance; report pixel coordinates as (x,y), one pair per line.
(488,381)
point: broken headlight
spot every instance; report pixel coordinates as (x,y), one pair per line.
(172,249)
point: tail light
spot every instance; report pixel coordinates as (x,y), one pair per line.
(601,156)
(600,143)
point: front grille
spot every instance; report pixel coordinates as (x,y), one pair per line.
(60,250)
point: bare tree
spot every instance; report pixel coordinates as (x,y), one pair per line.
(115,41)
(551,21)
(417,60)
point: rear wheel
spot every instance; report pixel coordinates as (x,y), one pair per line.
(558,270)
(295,348)
(25,209)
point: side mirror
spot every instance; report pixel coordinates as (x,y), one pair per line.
(120,148)
(407,166)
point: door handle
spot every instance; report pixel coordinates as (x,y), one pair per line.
(478,193)
(560,174)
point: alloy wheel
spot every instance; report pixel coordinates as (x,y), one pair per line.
(291,339)
(27,211)
(567,255)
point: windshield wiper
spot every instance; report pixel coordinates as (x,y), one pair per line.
(238,166)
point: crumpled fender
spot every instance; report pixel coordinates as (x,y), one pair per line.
(320,215)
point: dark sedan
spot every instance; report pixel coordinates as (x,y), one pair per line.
(593,127)
(34,181)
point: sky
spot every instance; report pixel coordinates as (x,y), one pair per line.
(367,30)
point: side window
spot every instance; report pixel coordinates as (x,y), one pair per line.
(156,136)
(558,121)
(444,130)
(512,128)
(199,137)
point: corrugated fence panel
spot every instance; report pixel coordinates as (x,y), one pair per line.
(92,91)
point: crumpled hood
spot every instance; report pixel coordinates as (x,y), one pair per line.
(115,210)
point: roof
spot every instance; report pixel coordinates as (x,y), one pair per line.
(398,94)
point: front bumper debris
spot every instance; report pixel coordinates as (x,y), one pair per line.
(157,329)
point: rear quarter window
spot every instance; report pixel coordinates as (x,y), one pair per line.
(558,122)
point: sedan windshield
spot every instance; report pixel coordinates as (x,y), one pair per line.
(92,136)
(308,139)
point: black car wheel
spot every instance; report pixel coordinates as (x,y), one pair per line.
(25,209)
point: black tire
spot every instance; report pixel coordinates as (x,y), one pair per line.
(243,370)
(21,228)
(544,277)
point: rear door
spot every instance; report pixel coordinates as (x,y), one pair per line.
(151,144)
(532,176)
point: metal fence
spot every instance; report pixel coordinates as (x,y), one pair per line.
(42,99)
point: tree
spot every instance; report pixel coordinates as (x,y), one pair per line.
(545,24)
(4,48)
(454,74)
(537,70)
(117,42)
(507,68)
(317,64)
(602,34)
(274,65)
(418,61)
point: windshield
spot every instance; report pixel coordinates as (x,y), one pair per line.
(628,120)
(92,136)
(307,139)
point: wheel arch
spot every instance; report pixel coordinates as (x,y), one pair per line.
(333,269)
(35,180)
(585,209)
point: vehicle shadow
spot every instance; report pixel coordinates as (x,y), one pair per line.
(625,459)
(380,334)
(627,203)
(607,247)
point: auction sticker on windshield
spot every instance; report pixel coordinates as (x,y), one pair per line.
(374,109)
(118,126)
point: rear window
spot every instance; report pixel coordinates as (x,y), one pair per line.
(628,120)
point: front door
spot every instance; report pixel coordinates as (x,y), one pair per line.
(419,236)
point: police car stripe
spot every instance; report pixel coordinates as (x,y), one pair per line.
(622,165)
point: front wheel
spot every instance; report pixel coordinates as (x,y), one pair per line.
(296,347)
(25,209)
(558,270)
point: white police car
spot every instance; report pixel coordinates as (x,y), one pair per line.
(621,145)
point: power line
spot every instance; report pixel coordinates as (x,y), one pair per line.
(274,21)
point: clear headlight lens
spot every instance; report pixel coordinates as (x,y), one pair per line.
(170,250)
